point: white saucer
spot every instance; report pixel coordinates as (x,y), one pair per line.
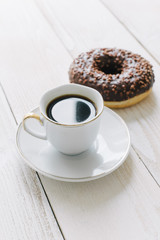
(107,153)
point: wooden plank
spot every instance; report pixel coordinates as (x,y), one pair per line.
(125,204)
(87,208)
(142,19)
(32,59)
(24,209)
(97,27)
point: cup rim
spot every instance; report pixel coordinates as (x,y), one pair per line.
(76,124)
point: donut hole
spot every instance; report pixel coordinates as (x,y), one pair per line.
(109,65)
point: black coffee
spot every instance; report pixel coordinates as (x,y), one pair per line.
(71,109)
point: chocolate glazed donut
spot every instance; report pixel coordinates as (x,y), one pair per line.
(123,78)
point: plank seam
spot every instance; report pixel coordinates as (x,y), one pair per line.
(128,30)
(55,32)
(48,21)
(8,103)
(145,166)
(36,172)
(50,206)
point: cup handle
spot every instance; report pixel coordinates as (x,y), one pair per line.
(30,131)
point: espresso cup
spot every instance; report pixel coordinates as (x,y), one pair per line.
(68,138)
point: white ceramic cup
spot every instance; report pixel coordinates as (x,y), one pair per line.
(68,139)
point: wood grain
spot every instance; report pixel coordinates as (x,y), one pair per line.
(123,205)
(24,209)
(99,28)
(141,19)
(32,56)
(38,41)
(139,119)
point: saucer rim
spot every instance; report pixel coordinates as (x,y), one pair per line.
(83,179)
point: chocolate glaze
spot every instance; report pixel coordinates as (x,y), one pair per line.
(117,74)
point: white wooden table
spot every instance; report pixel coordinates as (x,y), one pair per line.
(38,41)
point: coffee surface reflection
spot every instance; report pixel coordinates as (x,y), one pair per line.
(71,109)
